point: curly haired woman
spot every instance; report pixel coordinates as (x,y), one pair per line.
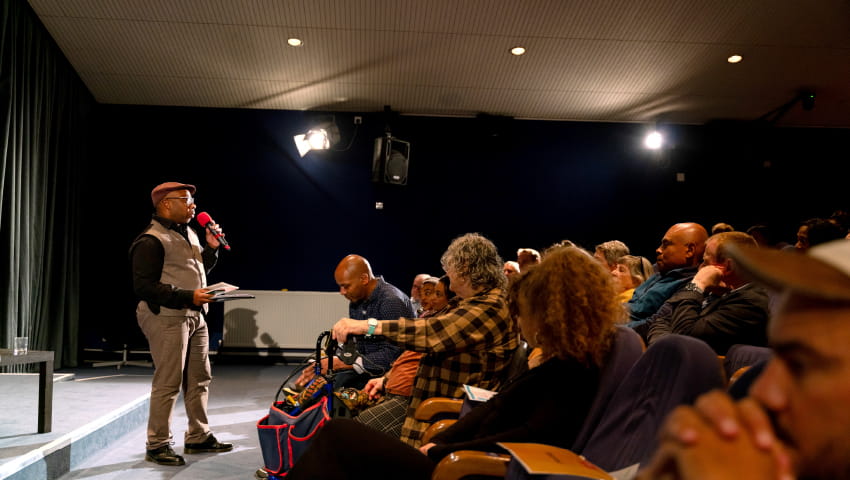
(567,307)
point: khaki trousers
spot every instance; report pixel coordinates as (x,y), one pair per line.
(180,350)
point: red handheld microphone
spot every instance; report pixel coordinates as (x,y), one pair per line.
(206,221)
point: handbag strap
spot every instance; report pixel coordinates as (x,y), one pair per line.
(316,365)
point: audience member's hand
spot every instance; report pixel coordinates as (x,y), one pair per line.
(307,374)
(374,388)
(715,458)
(708,276)
(347,326)
(718,438)
(200,296)
(424,448)
(729,419)
(536,358)
(338,365)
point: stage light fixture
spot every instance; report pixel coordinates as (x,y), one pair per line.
(320,136)
(654,140)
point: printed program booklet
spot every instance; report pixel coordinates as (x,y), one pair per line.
(478,394)
(223,291)
(540,459)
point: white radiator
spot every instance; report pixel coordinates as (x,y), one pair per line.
(277,319)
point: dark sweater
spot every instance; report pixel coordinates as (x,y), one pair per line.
(547,404)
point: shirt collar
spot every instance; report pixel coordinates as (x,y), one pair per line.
(376,292)
(171,225)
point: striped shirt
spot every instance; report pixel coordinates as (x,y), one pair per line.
(471,344)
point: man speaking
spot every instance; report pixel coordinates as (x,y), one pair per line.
(169,278)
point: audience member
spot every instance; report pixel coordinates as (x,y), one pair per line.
(842,219)
(795,421)
(511,268)
(427,296)
(720,305)
(721,227)
(609,252)
(526,257)
(677,261)
(567,308)
(765,237)
(415,293)
(629,272)
(394,388)
(471,344)
(443,295)
(815,231)
(369,297)
(557,245)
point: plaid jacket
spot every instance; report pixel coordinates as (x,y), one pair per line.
(471,344)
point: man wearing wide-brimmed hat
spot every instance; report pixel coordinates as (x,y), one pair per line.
(796,420)
(169,278)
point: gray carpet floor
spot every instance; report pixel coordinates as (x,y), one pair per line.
(240,395)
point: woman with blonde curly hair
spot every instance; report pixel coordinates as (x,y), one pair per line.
(565,306)
(562,308)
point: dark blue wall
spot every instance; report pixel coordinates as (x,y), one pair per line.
(520,183)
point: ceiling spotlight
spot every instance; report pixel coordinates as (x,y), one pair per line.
(653,140)
(319,137)
(734,59)
(294,42)
(518,51)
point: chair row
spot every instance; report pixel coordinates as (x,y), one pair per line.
(638,388)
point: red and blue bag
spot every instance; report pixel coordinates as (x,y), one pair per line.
(292,423)
(284,437)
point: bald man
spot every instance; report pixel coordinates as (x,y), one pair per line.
(370,298)
(677,259)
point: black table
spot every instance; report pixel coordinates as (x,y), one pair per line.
(44,359)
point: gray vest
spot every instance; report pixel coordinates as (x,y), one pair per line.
(183,266)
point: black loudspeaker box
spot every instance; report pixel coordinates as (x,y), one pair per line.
(390,160)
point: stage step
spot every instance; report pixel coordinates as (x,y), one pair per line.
(88,414)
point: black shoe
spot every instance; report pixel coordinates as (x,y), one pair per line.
(164,455)
(209,445)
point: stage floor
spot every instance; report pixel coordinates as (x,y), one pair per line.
(240,395)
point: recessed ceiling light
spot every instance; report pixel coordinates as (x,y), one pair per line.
(734,59)
(294,42)
(518,51)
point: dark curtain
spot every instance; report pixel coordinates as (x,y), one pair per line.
(43,114)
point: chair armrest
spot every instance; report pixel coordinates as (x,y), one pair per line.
(436,428)
(437,405)
(735,376)
(469,462)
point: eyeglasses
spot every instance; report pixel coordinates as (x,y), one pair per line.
(189,200)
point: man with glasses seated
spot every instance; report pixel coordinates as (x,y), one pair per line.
(169,278)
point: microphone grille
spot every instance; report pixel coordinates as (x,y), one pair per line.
(204,219)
